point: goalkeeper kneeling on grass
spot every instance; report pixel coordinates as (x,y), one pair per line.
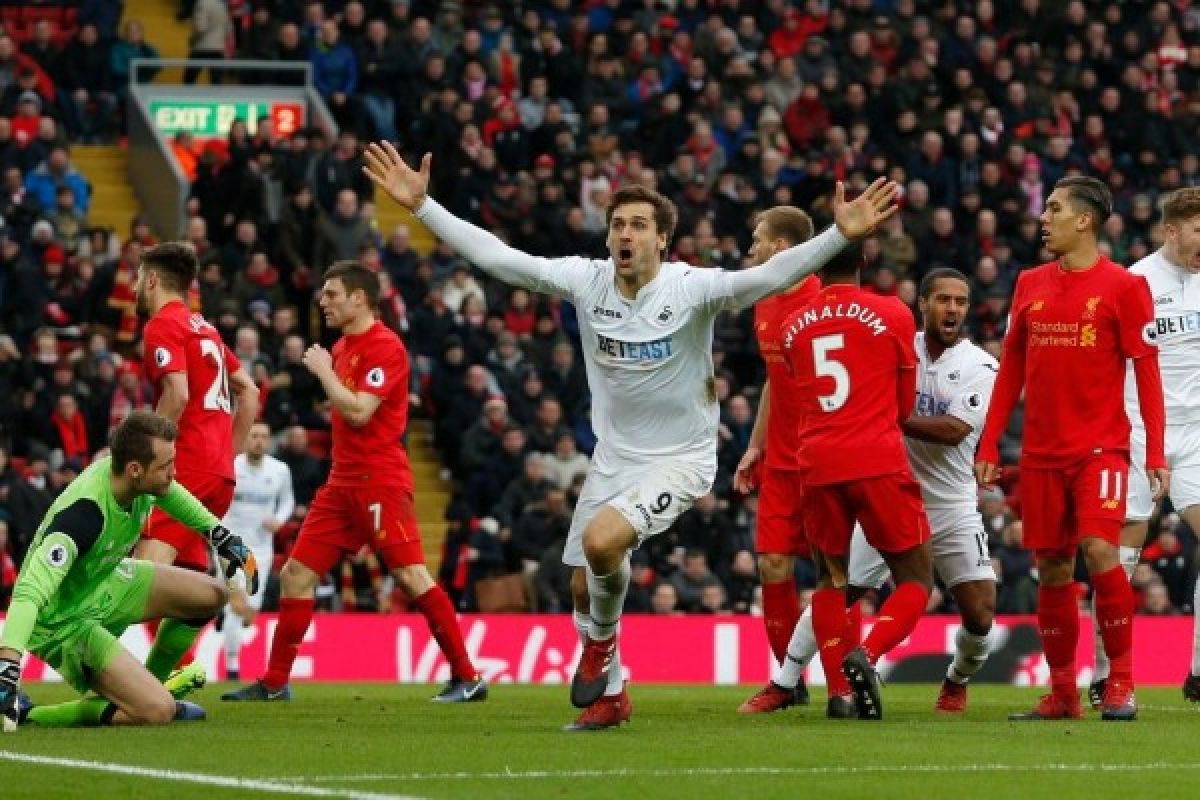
(78,590)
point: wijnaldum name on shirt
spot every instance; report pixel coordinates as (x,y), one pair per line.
(852,311)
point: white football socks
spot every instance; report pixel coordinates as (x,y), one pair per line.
(800,650)
(607,593)
(970,653)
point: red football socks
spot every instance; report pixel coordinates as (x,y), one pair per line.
(897,618)
(853,634)
(295,614)
(829,626)
(1058,625)
(781,612)
(439,613)
(1114,614)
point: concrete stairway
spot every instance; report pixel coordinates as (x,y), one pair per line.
(106,168)
(432,493)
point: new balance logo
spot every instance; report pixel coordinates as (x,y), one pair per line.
(1109,505)
(606,312)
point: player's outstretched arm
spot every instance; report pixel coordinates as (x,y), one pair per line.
(409,187)
(853,220)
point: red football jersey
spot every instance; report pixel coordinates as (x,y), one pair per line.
(852,356)
(1076,329)
(374,361)
(783,420)
(176,340)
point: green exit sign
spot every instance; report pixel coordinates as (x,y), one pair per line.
(213,118)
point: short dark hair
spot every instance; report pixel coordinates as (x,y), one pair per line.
(665,215)
(133,440)
(355,276)
(935,275)
(792,224)
(1090,193)
(175,263)
(1181,204)
(844,264)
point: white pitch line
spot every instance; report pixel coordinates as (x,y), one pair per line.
(743,771)
(228,782)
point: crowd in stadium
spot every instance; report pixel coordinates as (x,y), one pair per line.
(536,113)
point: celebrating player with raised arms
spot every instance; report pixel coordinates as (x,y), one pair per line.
(647,329)
(1074,322)
(202,386)
(78,589)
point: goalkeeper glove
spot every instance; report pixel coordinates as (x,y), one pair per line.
(235,556)
(10,695)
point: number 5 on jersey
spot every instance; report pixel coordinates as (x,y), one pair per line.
(827,367)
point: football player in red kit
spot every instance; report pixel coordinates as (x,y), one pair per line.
(851,352)
(368,499)
(1074,322)
(203,388)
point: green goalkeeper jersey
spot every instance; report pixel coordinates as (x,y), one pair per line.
(84,536)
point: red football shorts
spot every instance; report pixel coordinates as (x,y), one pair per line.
(191,549)
(889,508)
(1060,506)
(779,528)
(342,519)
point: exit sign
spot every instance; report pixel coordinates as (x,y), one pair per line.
(213,118)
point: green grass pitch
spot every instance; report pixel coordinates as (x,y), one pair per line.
(379,741)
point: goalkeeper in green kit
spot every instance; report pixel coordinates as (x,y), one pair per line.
(78,590)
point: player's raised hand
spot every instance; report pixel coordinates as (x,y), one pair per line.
(866,212)
(745,477)
(387,169)
(986,473)
(317,359)
(1160,481)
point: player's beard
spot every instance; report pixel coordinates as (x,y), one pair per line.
(141,302)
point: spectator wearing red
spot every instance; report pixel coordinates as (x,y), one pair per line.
(788,40)
(68,432)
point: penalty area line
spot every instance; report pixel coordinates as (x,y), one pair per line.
(683,772)
(223,781)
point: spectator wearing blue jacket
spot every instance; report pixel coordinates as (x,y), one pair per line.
(335,74)
(56,171)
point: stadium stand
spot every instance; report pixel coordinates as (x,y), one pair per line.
(535,113)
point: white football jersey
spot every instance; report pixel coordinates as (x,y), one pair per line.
(960,384)
(261,493)
(1176,330)
(648,360)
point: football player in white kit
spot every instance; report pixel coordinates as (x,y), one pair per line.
(647,330)
(1173,272)
(954,387)
(262,502)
